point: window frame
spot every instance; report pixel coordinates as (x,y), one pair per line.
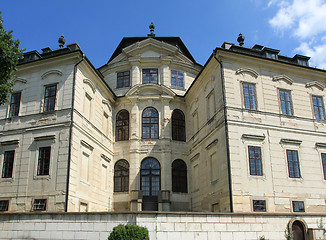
(288,104)
(124,126)
(320,115)
(247,96)
(121,80)
(256,207)
(150,124)
(179,176)
(14,106)
(291,164)
(48,100)
(178,126)
(323,162)
(8,164)
(40,202)
(44,161)
(149,75)
(254,162)
(177,74)
(123,179)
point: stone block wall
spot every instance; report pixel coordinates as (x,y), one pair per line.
(161,226)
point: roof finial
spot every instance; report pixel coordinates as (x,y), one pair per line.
(241,39)
(61,41)
(151,28)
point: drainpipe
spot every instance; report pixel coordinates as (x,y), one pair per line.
(226,130)
(70,130)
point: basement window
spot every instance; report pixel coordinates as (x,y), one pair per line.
(298,206)
(259,205)
(39,205)
(4,205)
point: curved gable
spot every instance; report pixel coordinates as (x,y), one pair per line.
(150,90)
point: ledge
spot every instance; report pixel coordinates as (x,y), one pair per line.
(254,137)
(44,138)
(291,141)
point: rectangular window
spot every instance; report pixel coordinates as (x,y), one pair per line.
(49,98)
(255,161)
(177,79)
(123,79)
(8,164)
(298,206)
(211,105)
(14,104)
(150,76)
(4,205)
(87,106)
(43,167)
(84,166)
(39,205)
(259,205)
(323,157)
(286,102)
(249,95)
(319,109)
(293,163)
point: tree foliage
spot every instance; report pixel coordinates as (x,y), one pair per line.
(129,232)
(10,53)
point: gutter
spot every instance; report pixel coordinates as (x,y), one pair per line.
(70,130)
(226,130)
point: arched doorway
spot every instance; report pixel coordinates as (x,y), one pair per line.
(150,183)
(298,231)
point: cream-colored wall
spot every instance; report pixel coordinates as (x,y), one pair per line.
(88,183)
(32,123)
(275,186)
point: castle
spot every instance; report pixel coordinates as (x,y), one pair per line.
(153,130)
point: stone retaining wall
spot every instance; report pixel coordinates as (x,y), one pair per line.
(161,225)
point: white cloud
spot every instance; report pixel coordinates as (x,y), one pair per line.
(316,52)
(305,17)
(305,20)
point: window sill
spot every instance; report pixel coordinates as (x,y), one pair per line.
(7,180)
(178,88)
(42,177)
(125,87)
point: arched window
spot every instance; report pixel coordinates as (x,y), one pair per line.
(122,126)
(179,176)
(150,123)
(150,177)
(178,125)
(121,176)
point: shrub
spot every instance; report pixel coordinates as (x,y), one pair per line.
(129,232)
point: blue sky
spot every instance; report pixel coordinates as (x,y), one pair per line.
(292,26)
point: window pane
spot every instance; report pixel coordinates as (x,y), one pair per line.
(44,161)
(293,163)
(8,164)
(259,205)
(14,104)
(249,94)
(49,98)
(323,156)
(150,177)
(150,123)
(122,125)
(318,106)
(286,102)
(179,176)
(123,79)
(255,162)
(121,176)
(298,206)
(150,76)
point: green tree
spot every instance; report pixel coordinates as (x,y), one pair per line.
(129,232)
(10,53)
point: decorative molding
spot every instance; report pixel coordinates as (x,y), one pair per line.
(90,83)
(315,84)
(284,78)
(291,141)
(107,102)
(20,80)
(247,70)
(105,158)
(194,157)
(254,137)
(320,145)
(213,143)
(51,72)
(44,138)
(11,142)
(85,144)
(149,87)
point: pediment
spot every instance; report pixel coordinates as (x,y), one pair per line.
(153,49)
(150,90)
